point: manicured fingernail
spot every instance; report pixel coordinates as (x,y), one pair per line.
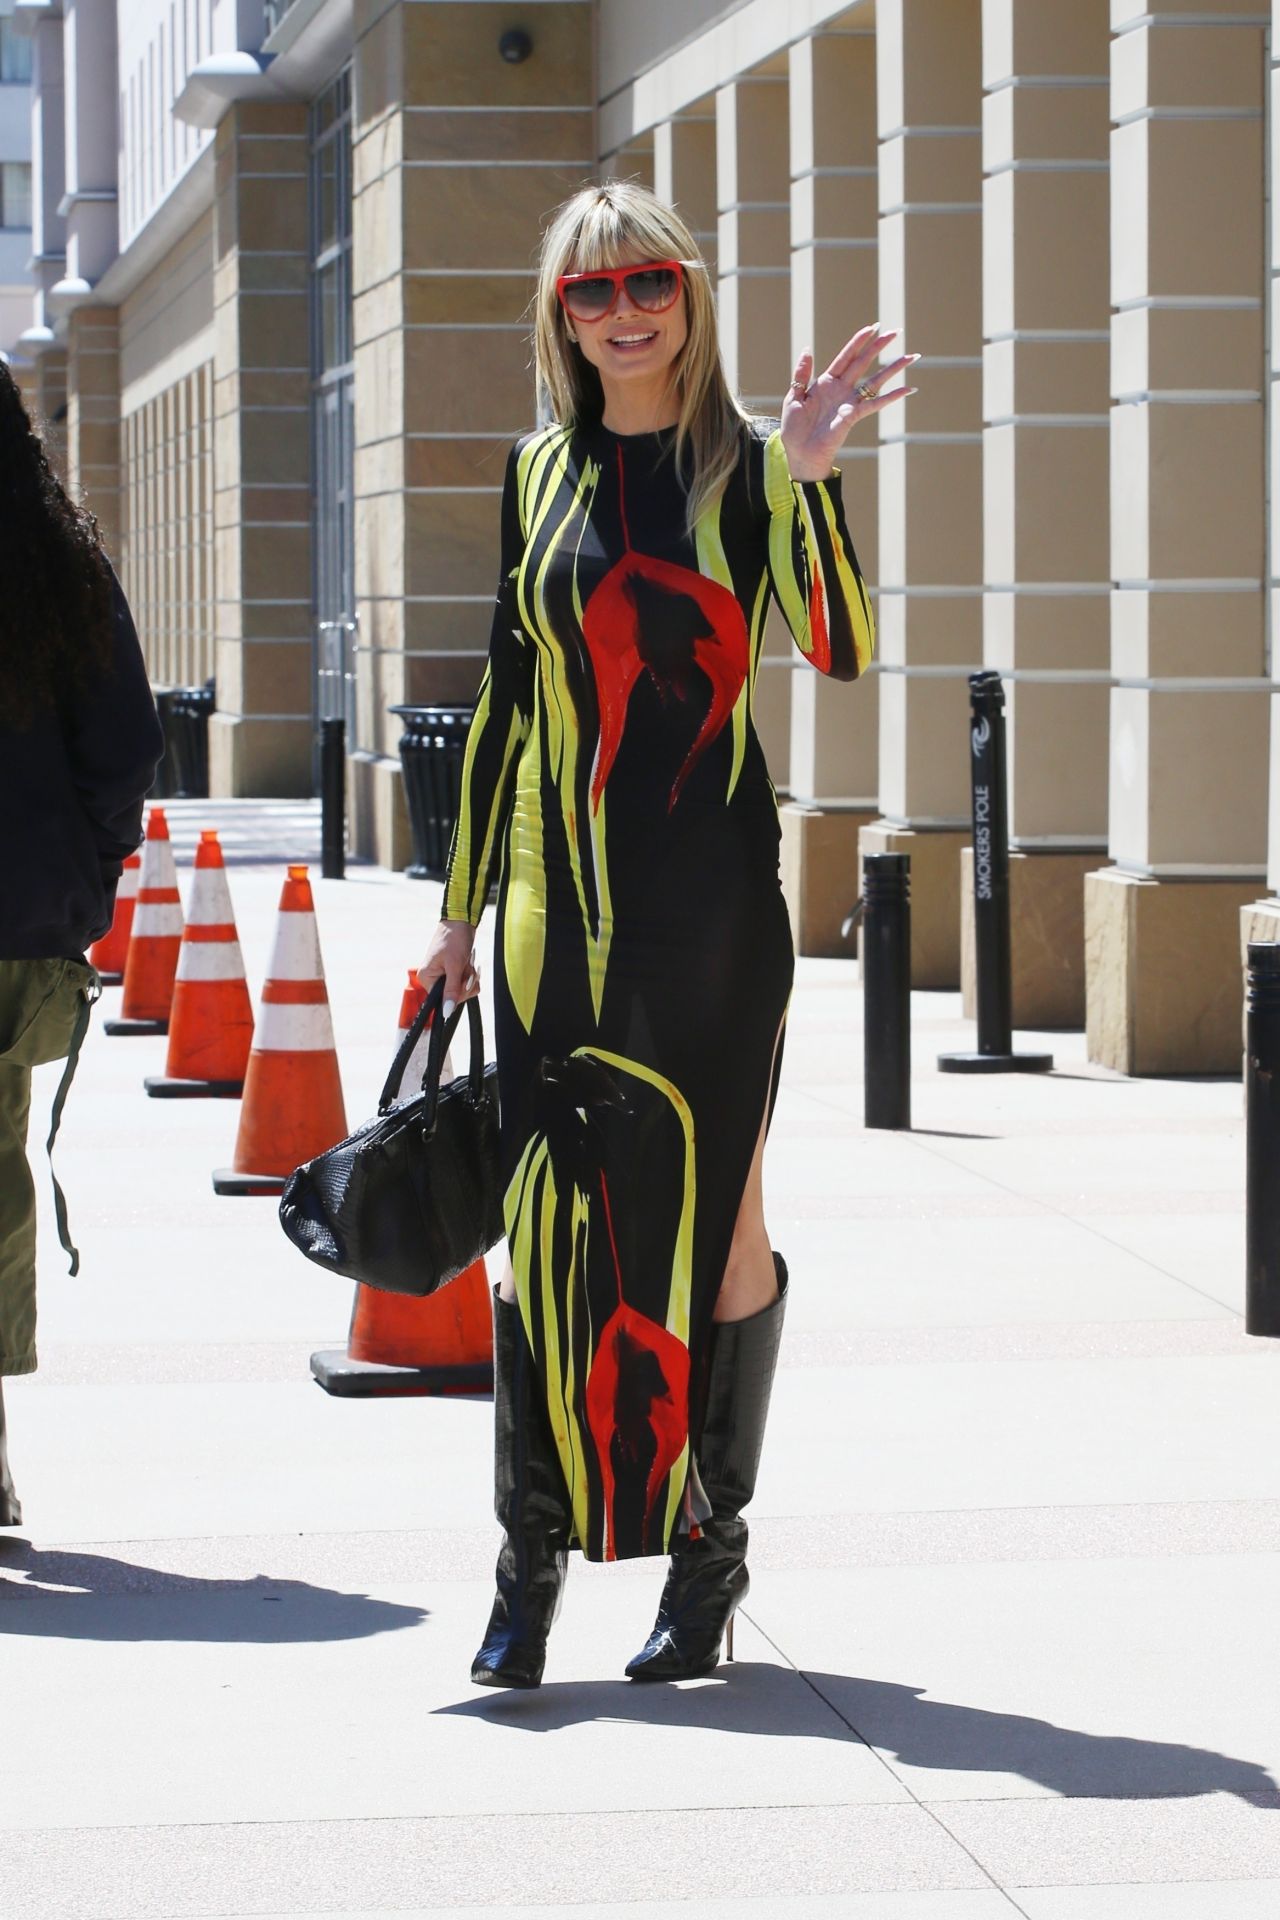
(913,357)
(448,1008)
(910,390)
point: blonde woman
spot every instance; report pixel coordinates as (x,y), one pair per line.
(614,778)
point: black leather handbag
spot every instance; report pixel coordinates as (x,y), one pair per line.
(414,1196)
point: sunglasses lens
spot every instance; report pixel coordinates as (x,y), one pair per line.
(653,288)
(588,299)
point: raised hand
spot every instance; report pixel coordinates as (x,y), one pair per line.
(817,415)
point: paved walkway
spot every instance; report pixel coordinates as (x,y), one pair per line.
(1011,1641)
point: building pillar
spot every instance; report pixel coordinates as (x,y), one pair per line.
(636,161)
(929,608)
(93,419)
(260,737)
(684,173)
(753,189)
(50,392)
(834,290)
(1260,920)
(1189,720)
(457,157)
(1046,531)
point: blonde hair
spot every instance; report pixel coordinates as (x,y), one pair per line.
(604,226)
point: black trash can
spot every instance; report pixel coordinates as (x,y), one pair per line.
(431,753)
(162,787)
(188,736)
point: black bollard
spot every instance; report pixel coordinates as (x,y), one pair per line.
(991,939)
(1262,1140)
(333,809)
(886,989)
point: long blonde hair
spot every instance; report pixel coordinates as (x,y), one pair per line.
(603,226)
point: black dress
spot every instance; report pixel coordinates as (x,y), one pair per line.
(644,957)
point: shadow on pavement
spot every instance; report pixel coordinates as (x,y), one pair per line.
(72,1596)
(899,1723)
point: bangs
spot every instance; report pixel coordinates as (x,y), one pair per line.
(612,236)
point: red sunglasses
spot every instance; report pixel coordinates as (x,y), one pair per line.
(591,296)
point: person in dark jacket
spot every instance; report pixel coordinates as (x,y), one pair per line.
(79,746)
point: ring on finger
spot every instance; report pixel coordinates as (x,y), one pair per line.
(865,392)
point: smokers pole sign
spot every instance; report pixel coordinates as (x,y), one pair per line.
(992,963)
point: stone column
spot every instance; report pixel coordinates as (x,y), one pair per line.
(260,737)
(51,402)
(929,605)
(684,172)
(1189,713)
(93,418)
(1261,919)
(458,157)
(753,189)
(636,161)
(834,290)
(1046,610)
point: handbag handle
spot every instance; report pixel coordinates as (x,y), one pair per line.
(442,1032)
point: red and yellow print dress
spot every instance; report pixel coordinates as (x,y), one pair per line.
(644,961)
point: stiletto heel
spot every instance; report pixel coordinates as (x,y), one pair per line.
(728,1637)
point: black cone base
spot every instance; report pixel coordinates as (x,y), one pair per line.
(131,1027)
(351,1379)
(227,1180)
(161,1087)
(995,1063)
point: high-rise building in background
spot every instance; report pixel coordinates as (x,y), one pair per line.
(283,258)
(15,188)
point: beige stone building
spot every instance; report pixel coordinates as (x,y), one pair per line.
(289,331)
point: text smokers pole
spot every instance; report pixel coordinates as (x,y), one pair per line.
(991,938)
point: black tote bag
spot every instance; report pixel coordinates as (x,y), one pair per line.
(413,1197)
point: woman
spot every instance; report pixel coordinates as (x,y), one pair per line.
(644,956)
(79,744)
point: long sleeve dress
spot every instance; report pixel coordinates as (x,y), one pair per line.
(614,779)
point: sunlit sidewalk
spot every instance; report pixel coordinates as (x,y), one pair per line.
(1010,1642)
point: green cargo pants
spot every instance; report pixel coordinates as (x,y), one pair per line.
(44,1011)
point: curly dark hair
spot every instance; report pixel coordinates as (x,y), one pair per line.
(55,580)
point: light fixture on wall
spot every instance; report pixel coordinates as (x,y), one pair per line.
(515,45)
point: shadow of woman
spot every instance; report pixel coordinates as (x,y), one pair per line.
(89,1596)
(899,1723)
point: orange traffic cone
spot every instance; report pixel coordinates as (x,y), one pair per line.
(410,1005)
(398,1345)
(211,1021)
(293,1106)
(108,954)
(152,960)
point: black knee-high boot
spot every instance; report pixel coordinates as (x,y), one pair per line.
(10,1506)
(708,1578)
(532,1504)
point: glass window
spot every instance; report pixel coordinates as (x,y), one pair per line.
(15,55)
(332,415)
(15,193)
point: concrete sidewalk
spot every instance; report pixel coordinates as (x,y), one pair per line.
(1010,1646)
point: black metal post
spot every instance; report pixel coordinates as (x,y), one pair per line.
(886,989)
(333,809)
(991,937)
(1262,1140)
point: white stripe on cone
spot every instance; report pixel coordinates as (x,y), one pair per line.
(157,919)
(285,1028)
(128,886)
(158,869)
(295,952)
(210,903)
(210,960)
